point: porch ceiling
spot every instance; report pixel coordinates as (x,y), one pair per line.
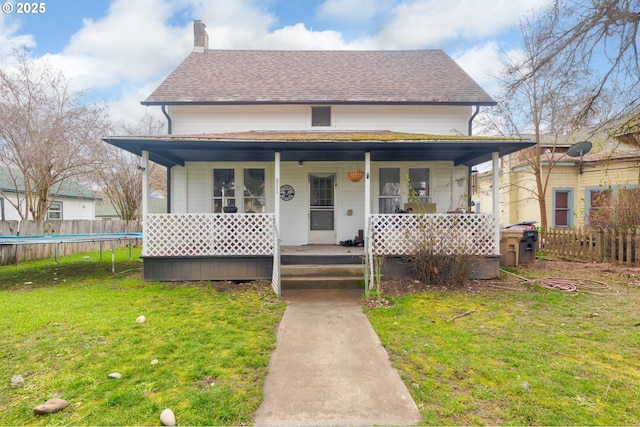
(176,150)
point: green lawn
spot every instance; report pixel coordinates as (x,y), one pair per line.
(66,327)
(527,357)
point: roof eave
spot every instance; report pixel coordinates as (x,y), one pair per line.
(322,102)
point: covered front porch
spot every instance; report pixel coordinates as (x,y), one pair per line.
(187,245)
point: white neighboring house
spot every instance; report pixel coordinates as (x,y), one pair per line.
(275,134)
(72,202)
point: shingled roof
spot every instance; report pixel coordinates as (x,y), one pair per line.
(317,77)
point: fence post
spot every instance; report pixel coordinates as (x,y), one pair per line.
(636,239)
(628,249)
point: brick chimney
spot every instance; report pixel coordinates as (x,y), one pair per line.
(200,37)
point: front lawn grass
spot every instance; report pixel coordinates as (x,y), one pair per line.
(527,357)
(66,327)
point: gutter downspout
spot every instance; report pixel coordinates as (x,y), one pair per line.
(470,131)
(473,116)
(170,123)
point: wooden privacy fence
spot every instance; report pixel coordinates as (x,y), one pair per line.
(593,245)
(12,254)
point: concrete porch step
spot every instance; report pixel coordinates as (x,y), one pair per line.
(306,276)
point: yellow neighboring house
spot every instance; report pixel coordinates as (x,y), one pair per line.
(574,188)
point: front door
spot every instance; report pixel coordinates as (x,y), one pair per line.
(322,208)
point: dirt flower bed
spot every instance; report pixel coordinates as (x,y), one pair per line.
(594,277)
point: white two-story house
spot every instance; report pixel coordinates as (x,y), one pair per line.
(303,148)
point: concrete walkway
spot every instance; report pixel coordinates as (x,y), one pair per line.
(329,367)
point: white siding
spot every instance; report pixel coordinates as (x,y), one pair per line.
(199,187)
(446,192)
(441,120)
(71,208)
(179,189)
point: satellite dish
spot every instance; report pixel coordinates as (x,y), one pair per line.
(579,149)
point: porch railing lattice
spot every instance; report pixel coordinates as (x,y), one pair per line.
(400,234)
(208,234)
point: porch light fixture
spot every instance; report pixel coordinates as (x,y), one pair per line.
(300,163)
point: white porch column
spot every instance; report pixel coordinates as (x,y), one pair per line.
(144,165)
(496,197)
(367,190)
(277,190)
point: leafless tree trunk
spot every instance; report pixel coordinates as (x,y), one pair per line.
(46,134)
(545,107)
(120,177)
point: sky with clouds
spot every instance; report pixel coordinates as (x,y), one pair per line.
(118,51)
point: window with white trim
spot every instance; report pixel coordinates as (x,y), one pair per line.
(254,198)
(224,193)
(55,211)
(390,191)
(419,184)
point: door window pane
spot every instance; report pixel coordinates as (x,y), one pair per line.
(321,220)
(321,191)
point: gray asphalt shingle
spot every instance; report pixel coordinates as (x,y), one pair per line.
(261,76)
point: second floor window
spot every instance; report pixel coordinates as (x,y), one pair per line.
(320,116)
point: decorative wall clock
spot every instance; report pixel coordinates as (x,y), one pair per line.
(287,192)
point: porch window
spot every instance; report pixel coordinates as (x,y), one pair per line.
(223,189)
(562,202)
(320,116)
(419,184)
(390,195)
(254,199)
(55,211)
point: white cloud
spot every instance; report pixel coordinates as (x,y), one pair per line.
(298,37)
(126,107)
(481,63)
(131,43)
(8,38)
(430,23)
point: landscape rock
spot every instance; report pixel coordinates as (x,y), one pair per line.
(17,381)
(115,375)
(167,418)
(141,319)
(154,362)
(50,406)
(525,386)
